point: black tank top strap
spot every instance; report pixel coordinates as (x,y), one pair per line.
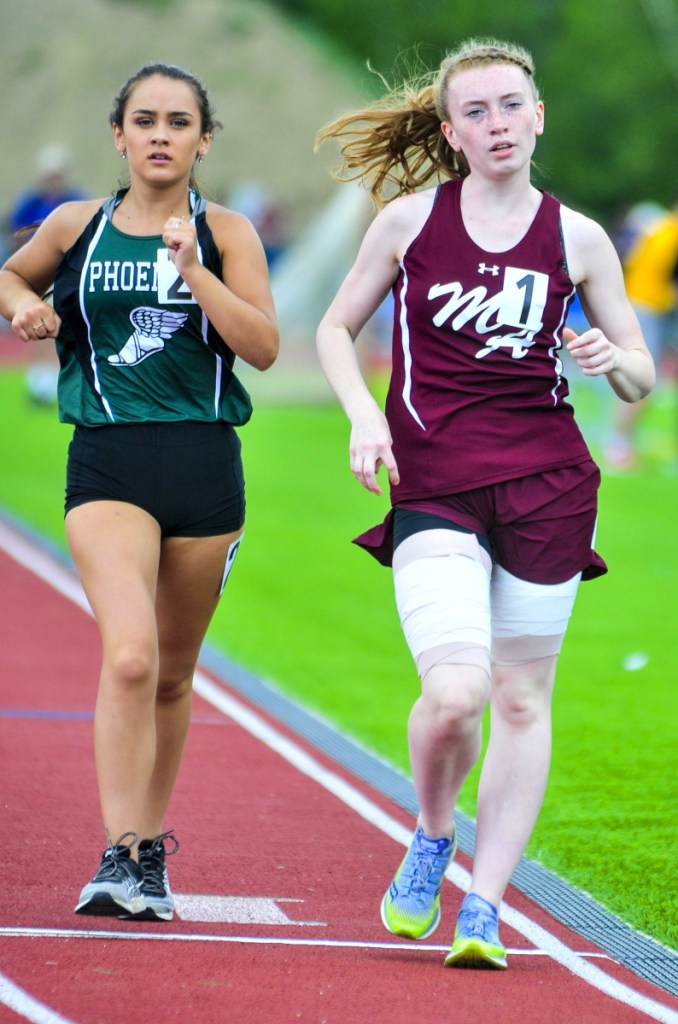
(111,204)
(113,201)
(197,204)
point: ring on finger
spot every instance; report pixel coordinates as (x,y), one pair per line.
(176,224)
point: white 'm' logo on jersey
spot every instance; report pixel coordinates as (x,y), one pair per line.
(519,304)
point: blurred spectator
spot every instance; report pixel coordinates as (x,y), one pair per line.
(651,275)
(266,214)
(50,189)
(633,221)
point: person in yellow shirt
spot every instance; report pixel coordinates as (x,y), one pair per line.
(651,277)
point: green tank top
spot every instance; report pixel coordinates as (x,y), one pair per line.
(134,345)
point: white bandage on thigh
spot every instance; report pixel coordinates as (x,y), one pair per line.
(529,620)
(441,580)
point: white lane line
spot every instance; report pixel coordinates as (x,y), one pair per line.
(237,910)
(38,561)
(26,1006)
(252,940)
(540,937)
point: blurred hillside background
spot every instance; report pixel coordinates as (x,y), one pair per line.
(63,62)
(278,70)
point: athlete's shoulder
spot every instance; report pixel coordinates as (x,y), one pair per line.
(401,220)
(579,227)
(222,216)
(410,207)
(67,222)
(75,212)
(229,228)
(586,243)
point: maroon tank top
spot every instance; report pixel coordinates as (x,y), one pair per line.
(477,392)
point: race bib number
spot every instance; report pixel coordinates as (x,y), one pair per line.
(523,299)
(171,286)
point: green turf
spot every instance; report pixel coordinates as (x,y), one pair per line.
(311,612)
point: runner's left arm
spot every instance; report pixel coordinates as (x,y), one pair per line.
(241,306)
(614,344)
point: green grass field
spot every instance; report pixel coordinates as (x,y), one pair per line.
(310,612)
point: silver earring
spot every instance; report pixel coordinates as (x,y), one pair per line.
(123,155)
(201,159)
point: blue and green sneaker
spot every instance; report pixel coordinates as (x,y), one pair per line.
(476,937)
(411,906)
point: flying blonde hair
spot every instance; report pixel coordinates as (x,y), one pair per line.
(395,144)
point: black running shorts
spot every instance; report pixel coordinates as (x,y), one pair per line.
(187,475)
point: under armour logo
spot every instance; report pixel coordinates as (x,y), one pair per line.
(484,269)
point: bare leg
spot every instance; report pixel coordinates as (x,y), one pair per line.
(116,547)
(515,772)
(153,602)
(444,740)
(191,570)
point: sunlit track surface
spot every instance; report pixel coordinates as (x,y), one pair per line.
(272,824)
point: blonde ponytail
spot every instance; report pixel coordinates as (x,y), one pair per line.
(395,145)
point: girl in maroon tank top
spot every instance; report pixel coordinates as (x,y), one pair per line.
(493,488)
(477,392)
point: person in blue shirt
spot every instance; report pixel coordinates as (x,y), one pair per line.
(50,189)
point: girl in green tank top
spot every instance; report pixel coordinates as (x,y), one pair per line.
(137,347)
(155,293)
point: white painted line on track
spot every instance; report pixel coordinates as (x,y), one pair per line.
(38,561)
(252,940)
(237,910)
(34,558)
(540,937)
(15,998)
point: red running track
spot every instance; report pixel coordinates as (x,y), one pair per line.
(283,862)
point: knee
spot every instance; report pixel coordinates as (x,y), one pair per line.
(175,678)
(521,695)
(174,686)
(455,701)
(132,666)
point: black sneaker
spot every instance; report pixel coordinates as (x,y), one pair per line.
(117,884)
(155,888)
